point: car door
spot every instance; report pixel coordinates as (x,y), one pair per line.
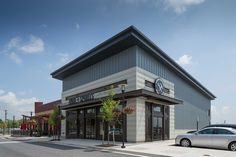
(221,138)
(203,138)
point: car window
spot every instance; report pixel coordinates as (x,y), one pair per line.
(223,132)
(206,131)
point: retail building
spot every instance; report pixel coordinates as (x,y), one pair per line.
(167,99)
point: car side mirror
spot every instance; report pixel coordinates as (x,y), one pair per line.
(195,133)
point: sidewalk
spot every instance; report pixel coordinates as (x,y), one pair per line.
(159,148)
(27,138)
(86,143)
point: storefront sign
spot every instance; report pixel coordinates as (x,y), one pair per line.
(160,88)
(81,98)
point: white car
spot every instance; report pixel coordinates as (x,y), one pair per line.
(214,137)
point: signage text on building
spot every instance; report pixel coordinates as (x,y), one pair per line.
(160,88)
(81,98)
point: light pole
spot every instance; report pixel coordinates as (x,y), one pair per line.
(5,123)
(122,87)
(31,123)
(197,123)
(13,125)
(59,123)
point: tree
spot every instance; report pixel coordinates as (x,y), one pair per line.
(53,119)
(107,112)
(2,124)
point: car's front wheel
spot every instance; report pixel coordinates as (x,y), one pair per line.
(185,143)
(232,146)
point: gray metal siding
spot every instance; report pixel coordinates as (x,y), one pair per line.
(121,61)
(195,104)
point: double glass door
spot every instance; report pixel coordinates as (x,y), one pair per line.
(87,123)
(157,122)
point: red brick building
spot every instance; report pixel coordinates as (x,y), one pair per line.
(42,113)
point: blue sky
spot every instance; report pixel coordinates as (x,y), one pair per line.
(37,37)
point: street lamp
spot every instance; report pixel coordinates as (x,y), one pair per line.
(197,123)
(59,123)
(31,123)
(122,87)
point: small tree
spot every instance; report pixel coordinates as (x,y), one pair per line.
(3,126)
(107,114)
(53,119)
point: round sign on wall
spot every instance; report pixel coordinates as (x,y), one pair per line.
(159,87)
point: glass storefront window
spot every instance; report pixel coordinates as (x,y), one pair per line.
(156,108)
(71,123)
(91,110)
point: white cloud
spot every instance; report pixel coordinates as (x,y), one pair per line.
(14,57)
(221,113)
(61,59)
(43,26)
(180,6)
(184,60)
(34,45)
(16,106)
(134,1)
(64,57)
(14,43)
(77,26)
(2,91)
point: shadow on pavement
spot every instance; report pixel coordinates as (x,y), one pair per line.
(54,146)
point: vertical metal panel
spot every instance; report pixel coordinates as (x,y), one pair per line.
(111,65)
(195,103)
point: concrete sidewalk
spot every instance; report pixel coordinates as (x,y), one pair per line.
(26,138)
(87,143)
(160,148)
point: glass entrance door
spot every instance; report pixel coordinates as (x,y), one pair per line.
(157,128)
(90,128)
(90,123)
(156,122)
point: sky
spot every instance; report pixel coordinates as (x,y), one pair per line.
(37,37)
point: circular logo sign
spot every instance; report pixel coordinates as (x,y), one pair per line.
(159,87)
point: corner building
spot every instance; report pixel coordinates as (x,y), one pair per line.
(167,99)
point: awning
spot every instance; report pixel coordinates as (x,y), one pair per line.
(131,94)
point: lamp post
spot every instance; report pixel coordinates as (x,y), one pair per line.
(122,87)
(59,123)
(197,123)
(13,125)
(31,123)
